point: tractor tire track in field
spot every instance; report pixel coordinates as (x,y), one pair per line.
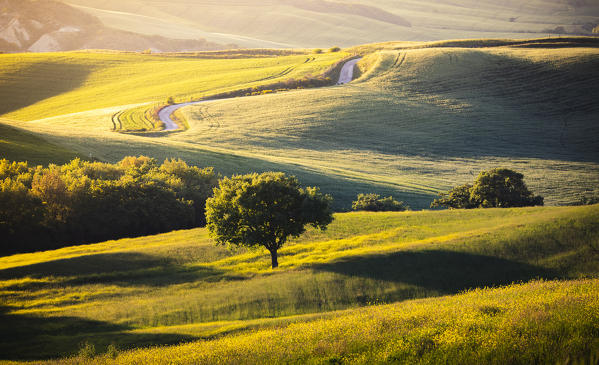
(346,75)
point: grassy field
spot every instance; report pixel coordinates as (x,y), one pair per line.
(508,325)
(175,287)
(19,145)
(317,23)
(421,119)
(35,86)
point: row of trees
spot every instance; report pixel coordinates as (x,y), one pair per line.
(44,208)
(265,209)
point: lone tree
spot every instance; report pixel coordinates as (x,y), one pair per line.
(264,210)
(496,188)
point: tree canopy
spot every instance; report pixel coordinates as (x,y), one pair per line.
(496,188)
(264,210)
(44,208)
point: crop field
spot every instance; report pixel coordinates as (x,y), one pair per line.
(179,287)
(141,118)
(35,86)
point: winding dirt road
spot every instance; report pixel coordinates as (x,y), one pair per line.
(347,71)
(346,75)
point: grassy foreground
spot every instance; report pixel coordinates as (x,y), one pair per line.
(175,287)
(538,322)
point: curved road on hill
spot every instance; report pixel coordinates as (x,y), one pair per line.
(347,71)
(346,75)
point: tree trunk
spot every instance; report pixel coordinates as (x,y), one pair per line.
(273,256)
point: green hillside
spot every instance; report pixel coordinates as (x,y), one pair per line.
(421,119)
(41,85)
(323,23)
(19,145)
(177,286)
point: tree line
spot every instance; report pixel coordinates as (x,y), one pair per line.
(80,202)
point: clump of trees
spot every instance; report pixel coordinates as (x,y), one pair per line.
(496,188)
(44,208)
(374,203)
(264,210)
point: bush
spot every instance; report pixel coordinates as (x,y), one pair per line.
(170,100)
(374,203)
(317,51)
(334,49)
(496,188)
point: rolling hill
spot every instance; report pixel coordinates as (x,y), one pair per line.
(423,117)
(324,23)
(42,85)
(178,286)
(45,26)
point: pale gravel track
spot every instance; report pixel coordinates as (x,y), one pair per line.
(346,75)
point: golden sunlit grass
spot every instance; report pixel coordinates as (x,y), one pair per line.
(177,286)
(35,86)
(543,322)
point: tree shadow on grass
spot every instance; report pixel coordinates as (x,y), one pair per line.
(27,337)
(445,272)
(121,268)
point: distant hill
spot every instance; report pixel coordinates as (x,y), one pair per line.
(325,23)
(42,26)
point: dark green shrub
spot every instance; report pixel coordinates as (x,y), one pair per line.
(374,203)
(334,49)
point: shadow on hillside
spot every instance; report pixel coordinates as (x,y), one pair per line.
(447,272)
(26,337)
(122,268)
(343,189)
(38,82)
